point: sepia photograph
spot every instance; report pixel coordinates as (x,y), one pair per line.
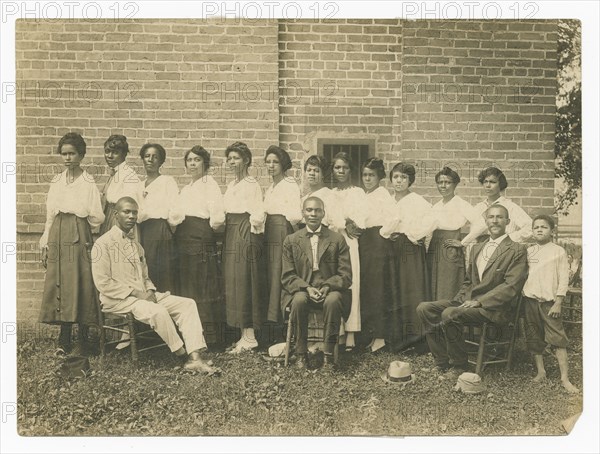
(290,219)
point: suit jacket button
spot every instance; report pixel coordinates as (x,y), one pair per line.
(58,309)
(58,298)
(58,285)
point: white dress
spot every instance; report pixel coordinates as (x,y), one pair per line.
(344,204)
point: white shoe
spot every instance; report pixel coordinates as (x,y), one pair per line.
(243,346)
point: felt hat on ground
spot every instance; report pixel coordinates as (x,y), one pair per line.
(399,373)
(276,352)
(469,383)
(74,367)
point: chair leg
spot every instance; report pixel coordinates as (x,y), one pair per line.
(288,340)
(481,350)
(511,347)
(132,339)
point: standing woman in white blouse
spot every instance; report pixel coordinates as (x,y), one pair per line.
(282,205)
(408,229)
(198,213)
(244,267)
(494,183)
(73,209)
(445,261)
(315,171)
(122,180)
(155,198)
(347,213)
(376,260)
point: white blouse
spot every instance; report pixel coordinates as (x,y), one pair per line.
(284,198)
(156,200)
(124,183)
(380,207)
(245,196)
(519,228)
(325,195)
(81,198)
(454,215)
(345,204)
(201,198)
(412,216)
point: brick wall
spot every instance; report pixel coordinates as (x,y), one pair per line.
(178,82)
(478,93)
(466,93)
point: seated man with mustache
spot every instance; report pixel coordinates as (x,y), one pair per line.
(496,275)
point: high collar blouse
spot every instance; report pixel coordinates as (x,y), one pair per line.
(345,205)
(245,196)
(156,200)
(201,198)
(124,183)
(284,198)
(454,214)
(412,216)
(380,207)
(81,198)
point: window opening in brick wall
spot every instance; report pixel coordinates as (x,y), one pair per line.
(358,150)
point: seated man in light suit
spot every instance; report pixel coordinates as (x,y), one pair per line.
(316,272)
(121,276)
(496,275)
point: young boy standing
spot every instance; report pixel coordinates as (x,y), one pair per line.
(544,293)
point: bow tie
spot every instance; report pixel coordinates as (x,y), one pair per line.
(112,171)
(130,235)
(311,234)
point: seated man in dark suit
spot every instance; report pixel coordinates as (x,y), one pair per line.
(496,275)
(316,273)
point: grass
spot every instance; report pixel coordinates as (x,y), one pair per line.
(255,397)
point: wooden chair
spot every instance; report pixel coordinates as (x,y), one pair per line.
(572,309)
(136,331)
(315,333)
(496,342)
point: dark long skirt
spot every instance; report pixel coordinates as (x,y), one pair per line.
(244,271)
(410,289)
(446,265)
(376,280)
(69,292)
(199,274)
(156,238)
(276,229)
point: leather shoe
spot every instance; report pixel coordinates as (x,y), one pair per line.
(302,361)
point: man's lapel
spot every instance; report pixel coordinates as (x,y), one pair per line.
(501,249)
(477,248)
(324,241)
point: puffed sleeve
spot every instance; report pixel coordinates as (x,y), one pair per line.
(96,215)
(421,221)
(291,197)
(522,221)
(256,209)
(216,206)
(356,207)
(51,211)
